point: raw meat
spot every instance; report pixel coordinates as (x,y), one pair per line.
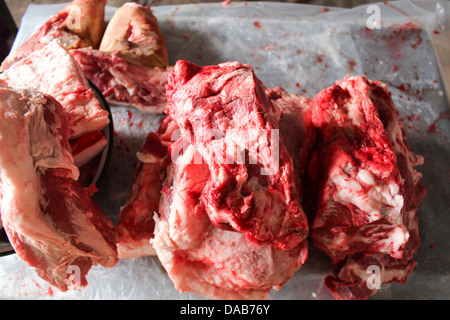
(135,34)
(199,256)
(297,130)
(122,82)
(132,65)
(53,71)
(367,188)
(79,25)
(136,225)
(232,259)
(223,111)
(360,200)
(204,259)
(51,221)
(86,147)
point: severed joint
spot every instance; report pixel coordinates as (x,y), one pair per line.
(135,34)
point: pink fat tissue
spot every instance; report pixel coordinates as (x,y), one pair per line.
(50,219)
(53,71)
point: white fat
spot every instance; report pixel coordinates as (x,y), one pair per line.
(398,237)
(347,168)
(366,177)
(394,188)
(148,158)
(377,200)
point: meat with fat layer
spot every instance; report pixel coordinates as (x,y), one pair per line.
(53,71)
(87,146)
(51,221)
(122,82)
(367,188)
(171,182)
(204,259)
(136,225)
(80,24)
(223,111)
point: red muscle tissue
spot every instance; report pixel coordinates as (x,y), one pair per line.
(225,228)
(365,186)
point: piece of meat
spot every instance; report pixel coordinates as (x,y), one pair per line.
(89,157)
(367,188)
(223,111)
(86,147)
(53,71)
(136,225)
(134,33)
(79,25)
(207,260)
(132,65)
(122,82)
(297,130)
(360,197)
(51,221)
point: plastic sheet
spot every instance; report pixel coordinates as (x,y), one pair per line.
(302,48)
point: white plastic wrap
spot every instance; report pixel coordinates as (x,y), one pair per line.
(302,48)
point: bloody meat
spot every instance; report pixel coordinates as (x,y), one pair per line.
(367,188)
(49,218)
(224,112)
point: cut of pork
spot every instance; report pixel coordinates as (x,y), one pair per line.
(223,111)
(131,66)
(51,221)
(134,33)
(122,82)
(86,147)
(166,208)
(136,225)
(360,201)
(204,259)
(79,25)
(53,71)
(367,188)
